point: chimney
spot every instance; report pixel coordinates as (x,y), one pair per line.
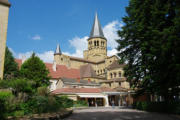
(78,80)
(23,59)
(89,80)
(54,66)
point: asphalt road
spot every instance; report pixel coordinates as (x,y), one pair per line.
(117,114)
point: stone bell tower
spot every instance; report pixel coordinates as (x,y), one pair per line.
(97,43)
(4,12)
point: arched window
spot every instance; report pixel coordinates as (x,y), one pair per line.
(94,43)
(97,43)
(111,75)
(119,74)
(114,75)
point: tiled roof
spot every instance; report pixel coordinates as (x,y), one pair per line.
(61,70)
(19,62)
(82,90)
(115,64)
(86,71)
(76,90)
(5,2)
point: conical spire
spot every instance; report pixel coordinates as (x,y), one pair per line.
(96,29)
(58,50)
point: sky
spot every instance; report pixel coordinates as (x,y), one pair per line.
(39,25)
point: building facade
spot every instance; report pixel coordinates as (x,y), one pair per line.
(4,12)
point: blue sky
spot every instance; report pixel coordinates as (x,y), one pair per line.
(39,25)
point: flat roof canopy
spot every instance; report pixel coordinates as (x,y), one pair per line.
(92,96)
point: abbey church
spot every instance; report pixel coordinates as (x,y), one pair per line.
(103,67)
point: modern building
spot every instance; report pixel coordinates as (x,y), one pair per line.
(4,12)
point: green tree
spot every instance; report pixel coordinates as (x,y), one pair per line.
(150,43)
(34,69)
(10,66)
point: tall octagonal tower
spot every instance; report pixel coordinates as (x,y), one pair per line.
(97,43)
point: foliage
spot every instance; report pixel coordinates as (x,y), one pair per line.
(172,107)
(10,66)
(34,69)
(150,43)
(64,101)
(18,85)
(80,103)
(43,91)
(43,104)
(4,96)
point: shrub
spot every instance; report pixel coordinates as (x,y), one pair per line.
(43,104)
(163,107)
(64,101)
(4,96)
(19,113)
(43,91)
(80,103)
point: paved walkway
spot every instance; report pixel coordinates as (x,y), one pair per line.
(117,114)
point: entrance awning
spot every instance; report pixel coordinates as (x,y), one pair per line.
(91,96)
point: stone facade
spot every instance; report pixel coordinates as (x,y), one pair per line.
(108,72)
(4,12)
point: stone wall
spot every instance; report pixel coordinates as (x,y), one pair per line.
(4,12)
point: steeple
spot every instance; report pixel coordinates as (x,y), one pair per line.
(58,50)
(96,29)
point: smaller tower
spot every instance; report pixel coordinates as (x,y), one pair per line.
(59,58)
(97,43)
(58,50)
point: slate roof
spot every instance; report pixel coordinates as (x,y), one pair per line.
(58,50)
(81,59)
(96,29)
(5,2)
(115,64)
(114,80)
(87,71)
(121,89)
(81,82)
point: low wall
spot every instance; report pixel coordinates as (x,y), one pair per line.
(45,116)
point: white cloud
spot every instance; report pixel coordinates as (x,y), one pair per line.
(47,56)
(112,52)
(80,44)
(110,32)
(36,37)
